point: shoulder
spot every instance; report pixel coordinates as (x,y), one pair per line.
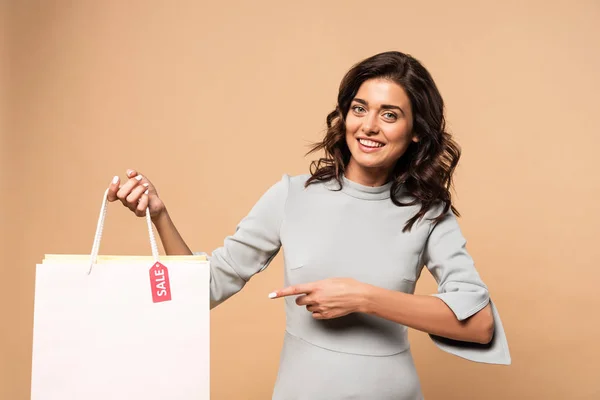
(295,188)
(442,221)
(296,180)
(287,184)
(293,182)
(435,214)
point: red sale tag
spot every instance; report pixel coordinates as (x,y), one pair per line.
(159,281)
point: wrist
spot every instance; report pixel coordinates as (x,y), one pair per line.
(365,299)
(160,219)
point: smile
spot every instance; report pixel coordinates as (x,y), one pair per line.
(370,143)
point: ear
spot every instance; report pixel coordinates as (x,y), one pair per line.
(415,138)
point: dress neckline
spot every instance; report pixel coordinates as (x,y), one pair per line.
(360,191)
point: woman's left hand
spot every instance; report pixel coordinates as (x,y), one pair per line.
(329,298)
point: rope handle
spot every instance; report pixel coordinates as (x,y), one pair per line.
(100,227)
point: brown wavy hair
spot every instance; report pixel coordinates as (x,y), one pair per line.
(425,170)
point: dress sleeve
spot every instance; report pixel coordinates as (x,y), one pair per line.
(252,246)
(461,288)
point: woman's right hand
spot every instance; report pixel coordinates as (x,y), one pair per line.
(137,193)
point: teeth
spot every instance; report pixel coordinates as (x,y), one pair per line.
(370,143)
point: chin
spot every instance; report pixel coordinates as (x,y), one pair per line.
(366,161)
(369,165)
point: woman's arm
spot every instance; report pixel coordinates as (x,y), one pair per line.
(336,297)
(139,194)
(246,252)
(172,241)
(428,314)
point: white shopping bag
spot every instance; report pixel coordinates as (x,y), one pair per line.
(121,327)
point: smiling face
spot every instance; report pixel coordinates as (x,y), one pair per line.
(378,131)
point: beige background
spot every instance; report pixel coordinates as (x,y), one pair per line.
(214,101)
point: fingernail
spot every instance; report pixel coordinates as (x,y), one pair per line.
(146,192)
(272,295)
(145,184)
(115,180)
(129,171)
(139,177)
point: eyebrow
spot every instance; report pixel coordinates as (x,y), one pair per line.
(384,106)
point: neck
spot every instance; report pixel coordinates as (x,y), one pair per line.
(366,176)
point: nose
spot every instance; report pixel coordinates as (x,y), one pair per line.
(370,125)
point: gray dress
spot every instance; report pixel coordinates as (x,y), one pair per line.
(354,232)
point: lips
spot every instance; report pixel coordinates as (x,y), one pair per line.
(372,144)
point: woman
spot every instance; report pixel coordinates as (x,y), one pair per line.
(357,232)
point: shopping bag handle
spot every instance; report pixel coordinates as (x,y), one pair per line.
(100,227)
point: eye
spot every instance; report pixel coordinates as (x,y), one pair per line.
(358,109)
(390,116)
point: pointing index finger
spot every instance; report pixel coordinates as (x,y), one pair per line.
(292,291)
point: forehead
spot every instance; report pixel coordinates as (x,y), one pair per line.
(383,91)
